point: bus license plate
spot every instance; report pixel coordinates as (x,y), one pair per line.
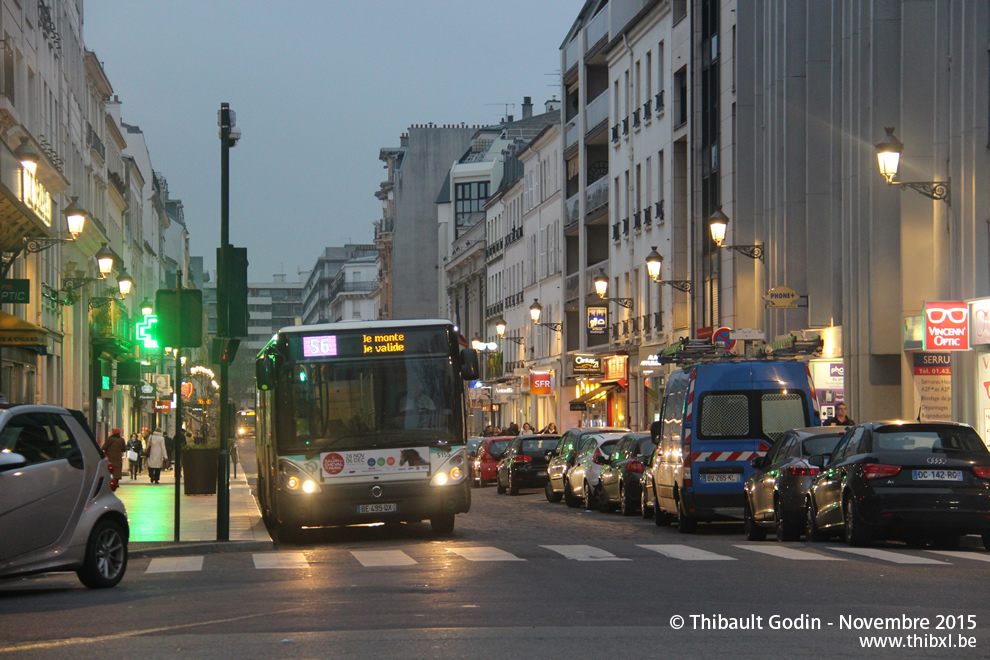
(938,475)
(541,473)
(377,508)
(721,478)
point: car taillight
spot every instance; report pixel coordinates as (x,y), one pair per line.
(878,471)
(113,484)
(522,459)
(982,471)
(635,466)
(797,471)
(598,452)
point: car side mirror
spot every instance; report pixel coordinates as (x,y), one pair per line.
(11,461)
(548,455)
(759,462)
(818,460)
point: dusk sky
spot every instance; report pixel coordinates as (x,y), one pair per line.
(318,88)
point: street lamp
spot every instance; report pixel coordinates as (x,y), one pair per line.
(104,260)
(601,288)
(124,282)
(147,307)
(27,156)
(536,310)
(888,158)
(654,267)
(718,223)
(75,217)
(500,326)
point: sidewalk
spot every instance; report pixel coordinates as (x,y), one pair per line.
(150,514)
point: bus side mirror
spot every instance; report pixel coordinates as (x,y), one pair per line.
(469,364)
(264,373)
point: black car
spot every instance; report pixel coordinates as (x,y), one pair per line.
(915,481)
(619,482)
(524,463)
(777,490)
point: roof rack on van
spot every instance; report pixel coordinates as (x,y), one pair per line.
(693,351)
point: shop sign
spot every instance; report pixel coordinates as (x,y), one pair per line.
(587,365)
(946,326)
(539,383)
(933,385)
(979,322)
(16,292)
(146,392)
(781,297)
(983,379)
(36,197)
(163,406)
(597,320)
(615,367)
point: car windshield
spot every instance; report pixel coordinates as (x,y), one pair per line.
(472,445)
(820,444)
(536,448)
(498,446)
(929,440)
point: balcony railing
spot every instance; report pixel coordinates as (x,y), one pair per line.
(513,300)
(94,142)
(615,133)
(625,126)
(514,235)
(493,310)
(636,118)
(109,322)
(570,55)
(494,249)
(351,287)
(597,29)
(571,132)
(615,231)
(658,102)
(625,226)
(646,110)
(637,224)
(659,211)
(596,195)
(573,209)
(597,111)
(572,286)
(647,216)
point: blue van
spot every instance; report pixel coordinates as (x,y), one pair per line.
(717,417)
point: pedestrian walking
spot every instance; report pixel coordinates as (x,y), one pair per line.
(528,428)
(157,456)
(114,448)
(549,428)
(135,454)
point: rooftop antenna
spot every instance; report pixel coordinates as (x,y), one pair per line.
(555,74)
(508,106)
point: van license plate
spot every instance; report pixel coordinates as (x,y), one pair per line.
(721,478)
(377,508)
(938,475)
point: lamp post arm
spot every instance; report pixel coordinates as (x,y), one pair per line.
(937,190)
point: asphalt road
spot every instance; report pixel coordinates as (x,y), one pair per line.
(520,577)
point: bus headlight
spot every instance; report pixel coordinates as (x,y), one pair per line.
(309,486)
(455,473)
(295,480)
(292,483)
(440,479)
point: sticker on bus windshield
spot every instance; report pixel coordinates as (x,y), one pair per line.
(375,461)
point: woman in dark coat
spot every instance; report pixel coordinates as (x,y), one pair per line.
(114,449)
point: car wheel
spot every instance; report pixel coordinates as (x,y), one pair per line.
(588,499)
(443,523)
(660,518)
(787,531)
(106,555)
(753,531)
(686,524)
(946,541)
(811,525)
(626,507)
(513,487)
(604,505)
(570,499)
(551,495)
(856,532)
(499,488)
(643,509)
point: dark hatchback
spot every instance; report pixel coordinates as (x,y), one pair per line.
(619,480)
(777,490)
(524,463)
(915,481)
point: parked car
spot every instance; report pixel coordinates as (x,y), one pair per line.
(582,478)
(647,501)
(618,484)
(524,463)
(777,490)
(57,511)
(472,446)
(563,458)
(489,454)
(716,418)
(915,481)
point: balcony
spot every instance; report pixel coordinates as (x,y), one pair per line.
(515,234)
(646,110)
(572,209)
(596,112)
(570,55)
(597,30)
(94,142)
(636,118)
(625,126)
(658,102)
(659,211)
(109,326)
(351,287)
(637,224)
(513,300)
(615,232)
(572,287)
(615,133)
(596,195)
(494,249)
(493,310)
(625,226)
(571,132)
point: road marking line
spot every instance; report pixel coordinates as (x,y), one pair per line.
(175,564)
(378,558)
(280,560)
(978,556)
(789,553)
(583,553)
(893,557)
(484,553)
(686,553)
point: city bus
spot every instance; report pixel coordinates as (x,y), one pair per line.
(363,422)
(244,424)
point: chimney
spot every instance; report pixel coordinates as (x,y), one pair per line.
(527,107)
(553,105)
(404,140)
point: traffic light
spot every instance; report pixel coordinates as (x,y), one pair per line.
(180,317)
(233,263)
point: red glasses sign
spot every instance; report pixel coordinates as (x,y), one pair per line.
(946,326)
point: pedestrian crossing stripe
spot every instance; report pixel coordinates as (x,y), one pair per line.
(290,560)
(789,553)
(484,553)
(583,553)
(382,558)
(978,556)
(893,557)
(686,553)
(175,564)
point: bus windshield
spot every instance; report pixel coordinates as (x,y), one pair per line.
(367,403)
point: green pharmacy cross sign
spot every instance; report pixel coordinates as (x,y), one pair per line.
(144,331)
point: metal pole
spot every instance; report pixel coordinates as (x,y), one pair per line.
(223,462)
(176,440)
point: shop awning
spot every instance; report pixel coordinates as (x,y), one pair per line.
(599,391)
(17,332)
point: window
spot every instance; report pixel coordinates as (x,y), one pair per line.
(469,199)
(725,415)
(38,438)
(781,413)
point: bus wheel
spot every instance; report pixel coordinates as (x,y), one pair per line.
(289,534)
(442,523)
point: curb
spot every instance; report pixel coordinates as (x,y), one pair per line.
(145,550)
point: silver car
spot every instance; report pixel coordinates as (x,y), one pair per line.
(582,479)
(57,510)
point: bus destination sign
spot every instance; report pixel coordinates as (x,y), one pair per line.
(350,344)
(392,343)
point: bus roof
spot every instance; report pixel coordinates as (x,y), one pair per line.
(362,325)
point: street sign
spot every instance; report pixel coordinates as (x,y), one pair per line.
(782,297)
(748,334)
(723,337)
